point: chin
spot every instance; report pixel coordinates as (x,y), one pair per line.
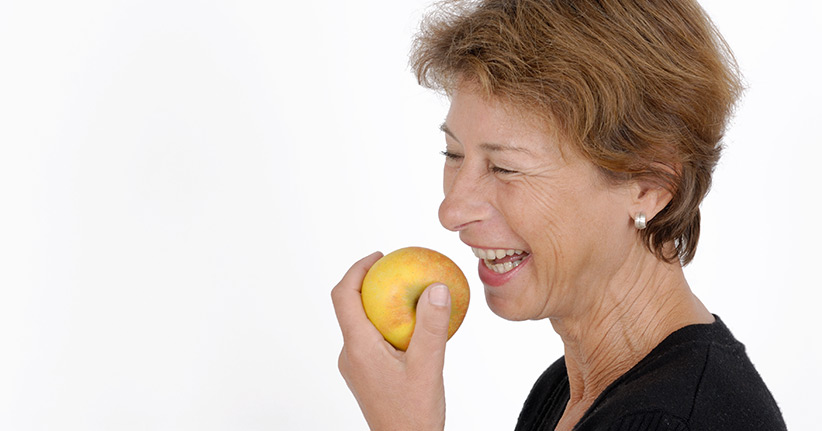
(507,308)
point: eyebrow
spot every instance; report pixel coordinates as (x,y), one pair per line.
(487,146)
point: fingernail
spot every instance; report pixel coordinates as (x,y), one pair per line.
(438,295)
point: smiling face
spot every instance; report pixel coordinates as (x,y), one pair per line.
(550,231)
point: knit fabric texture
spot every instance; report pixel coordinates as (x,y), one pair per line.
(698,379)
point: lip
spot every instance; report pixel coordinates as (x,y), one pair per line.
(493,279)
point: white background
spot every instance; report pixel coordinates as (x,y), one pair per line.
(183,182)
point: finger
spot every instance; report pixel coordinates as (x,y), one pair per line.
(348,302)
(427,346)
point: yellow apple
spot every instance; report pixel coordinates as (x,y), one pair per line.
(394,284)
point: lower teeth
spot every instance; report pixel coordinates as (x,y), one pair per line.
(501,268)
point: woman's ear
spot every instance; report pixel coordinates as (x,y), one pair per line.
(648,197)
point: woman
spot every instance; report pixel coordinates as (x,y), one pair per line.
(582,135)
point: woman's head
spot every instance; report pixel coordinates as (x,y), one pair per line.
(641,89)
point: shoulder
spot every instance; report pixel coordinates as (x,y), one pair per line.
(698,378)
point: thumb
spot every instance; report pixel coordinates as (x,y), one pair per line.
(427,346)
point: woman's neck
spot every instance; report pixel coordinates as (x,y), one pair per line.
(636,309)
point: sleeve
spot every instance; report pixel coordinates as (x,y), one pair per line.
(649,421)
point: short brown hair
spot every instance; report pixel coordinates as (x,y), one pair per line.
(642,88)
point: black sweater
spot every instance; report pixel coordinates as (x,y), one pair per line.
(699,379)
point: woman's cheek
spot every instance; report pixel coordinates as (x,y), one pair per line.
(534,203)
(533,212)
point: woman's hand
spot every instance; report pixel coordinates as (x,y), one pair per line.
(395,390)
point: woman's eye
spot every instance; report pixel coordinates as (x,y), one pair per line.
(451,156)
(499,170)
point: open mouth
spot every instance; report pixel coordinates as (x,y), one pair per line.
(500,260)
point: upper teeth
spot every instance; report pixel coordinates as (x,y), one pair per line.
(490,254)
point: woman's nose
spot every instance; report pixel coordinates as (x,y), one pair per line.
(465,201)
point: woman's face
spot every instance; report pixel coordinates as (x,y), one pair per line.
(549,230)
